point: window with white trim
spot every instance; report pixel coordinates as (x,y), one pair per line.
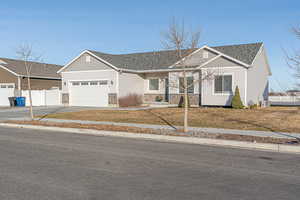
(223,84)
(103,82)
(94,83)
(190,84)
(84,83)
(75,83)
(9,85)
(154,84)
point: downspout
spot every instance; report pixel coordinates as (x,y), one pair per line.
(19,86)
(246,86)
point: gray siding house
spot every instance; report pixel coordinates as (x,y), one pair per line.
(99,79)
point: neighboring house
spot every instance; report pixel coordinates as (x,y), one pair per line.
(13,78)
(99,79)
(293,92)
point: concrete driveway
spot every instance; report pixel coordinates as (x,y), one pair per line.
(23,112)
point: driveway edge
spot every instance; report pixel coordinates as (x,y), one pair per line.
(165,138)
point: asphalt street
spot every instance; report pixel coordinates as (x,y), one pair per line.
(37,165)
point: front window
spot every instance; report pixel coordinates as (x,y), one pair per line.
(190,84)
(223,84)
(153,84)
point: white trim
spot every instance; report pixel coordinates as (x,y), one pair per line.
(117,87)
(182,59)
(114,67)
(13,84)
(262,50)
(152,78)
(85,80)
(226,56)
(160,70)
(178,78)
(19,83)
(2,62)
(224,93)
(99,70)
(157,70)
(64,67)
(86,51)
(41,77)
(14,73)
(21,75)
(229,67)
(203,64)
(246,87)
(259,51)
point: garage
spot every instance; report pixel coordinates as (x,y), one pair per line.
(6,90)
(89,93)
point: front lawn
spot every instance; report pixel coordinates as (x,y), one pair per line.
(285,119)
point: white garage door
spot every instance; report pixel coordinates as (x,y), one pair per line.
(89,93)
(6,90)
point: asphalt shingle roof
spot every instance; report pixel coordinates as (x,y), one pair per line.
(143,61)
(163,59)
(37,70)
(242,52)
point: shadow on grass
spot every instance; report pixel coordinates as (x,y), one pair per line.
(162,119)
(50,113)
(264,127)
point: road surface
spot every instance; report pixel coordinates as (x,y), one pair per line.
(37,165)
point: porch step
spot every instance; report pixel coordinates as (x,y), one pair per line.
(158,104)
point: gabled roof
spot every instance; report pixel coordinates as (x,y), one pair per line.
(38,70)
(242,52)
(143,61)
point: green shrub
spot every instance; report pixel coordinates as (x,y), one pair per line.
(158,98)
(181,102)
(236,100)
(253,106)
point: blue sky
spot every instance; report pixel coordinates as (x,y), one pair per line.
(62,29)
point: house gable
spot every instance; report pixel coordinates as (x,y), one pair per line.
(221,62)
(81,64)
(8,77)
(199,57)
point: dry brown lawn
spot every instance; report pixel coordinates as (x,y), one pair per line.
(285,119)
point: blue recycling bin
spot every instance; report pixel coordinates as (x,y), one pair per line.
(20,101)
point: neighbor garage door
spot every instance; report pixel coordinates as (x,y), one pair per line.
(6,90)
(89,93)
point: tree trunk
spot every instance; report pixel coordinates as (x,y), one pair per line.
(30,98)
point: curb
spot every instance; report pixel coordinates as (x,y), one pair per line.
(282,148)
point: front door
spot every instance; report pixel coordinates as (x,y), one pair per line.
(167,89)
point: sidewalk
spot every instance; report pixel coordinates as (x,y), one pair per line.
(192,129)
(281,148)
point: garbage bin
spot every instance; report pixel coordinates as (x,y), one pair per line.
(20,101)
(12,101)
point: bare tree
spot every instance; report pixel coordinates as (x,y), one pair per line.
(293,60)
(184,43)
(25,53)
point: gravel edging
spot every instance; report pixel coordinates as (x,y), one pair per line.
(166,138)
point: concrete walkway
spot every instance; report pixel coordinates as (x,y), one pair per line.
(192,129)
